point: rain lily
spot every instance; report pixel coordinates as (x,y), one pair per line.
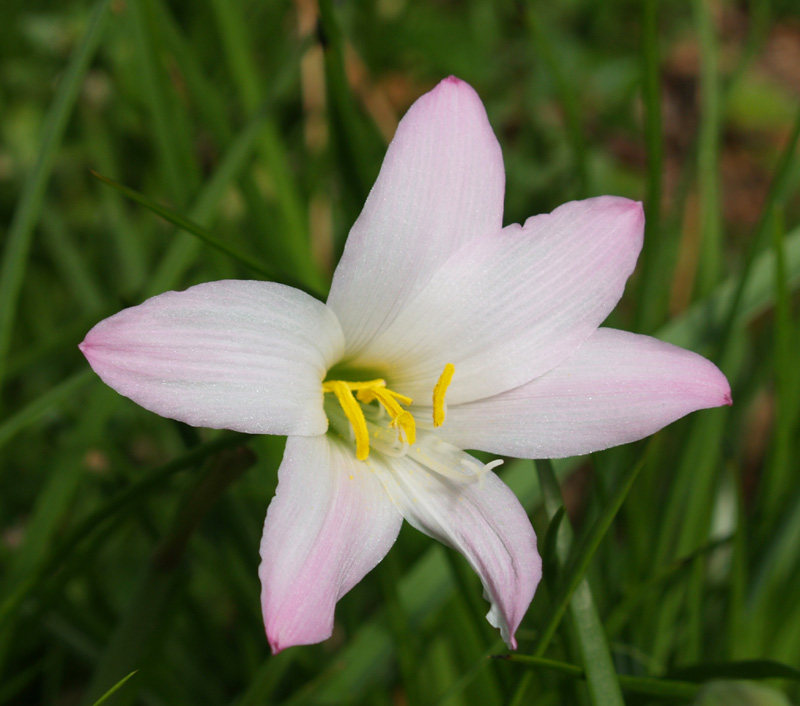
(443,331)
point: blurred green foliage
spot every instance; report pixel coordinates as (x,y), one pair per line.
(130,542)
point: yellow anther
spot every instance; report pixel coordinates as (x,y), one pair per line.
(366,392)
(405,422)
(365,385)
(352,410)
(438,394)
(390,401)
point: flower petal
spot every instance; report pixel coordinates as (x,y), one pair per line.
(482,519)
(510,306)
(330,523)
(248,356)
(616,388)
(441,184)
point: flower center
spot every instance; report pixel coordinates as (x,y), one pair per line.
(349,394)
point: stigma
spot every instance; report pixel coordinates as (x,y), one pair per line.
(351,395)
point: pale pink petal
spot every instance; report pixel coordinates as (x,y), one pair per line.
(248,356)
(481,518)
(441,184)
(329,524)
(509,306)
(616,388)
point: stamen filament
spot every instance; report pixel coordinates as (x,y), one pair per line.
(439,392)
(401,419)
(355,415)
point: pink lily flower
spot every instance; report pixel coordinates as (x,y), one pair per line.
(443,331)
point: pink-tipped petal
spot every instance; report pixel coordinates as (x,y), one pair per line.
(616,388)
(241,355)
(329,524)
(511,305)
(482,519)
(441,184)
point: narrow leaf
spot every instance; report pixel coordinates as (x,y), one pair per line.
(114,689)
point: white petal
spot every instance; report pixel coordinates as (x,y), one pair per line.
(616,388)
(482,519)
(330,523)
(441,184)
(248,356)
(510,306)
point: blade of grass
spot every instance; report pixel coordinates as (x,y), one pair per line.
(270,230)
(182,252)
(740,669)
(575,570)
(469,675)
(69,261)
(686,520)
(43,404)
(665,577)
(777,192)
(188,226)
(566,95)
(15,253)
(62,339)
(14,684)
(115,507)
(740,571)
(758,25)
(779,463)
(698,464)
(129,248)
(168,117)
(650,686)
(133,639)
(601,677)
(651,281)
(357,142)
(266,679)
(710,266)
(236,41)
(52,504)
(105,697)
(773,572)
(736,302)
(403,637)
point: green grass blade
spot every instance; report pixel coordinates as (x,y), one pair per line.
(129,249)
(68,259)
(741,669)
(358,144)
(579,562)
(188,226)
(780,468)
(652,284)
(237,47)
(116,506)
(777,192)
(601,677)
(736,302)
(708,152)
(31,413)
(105,697)
(168,118)
(20,232)
(146,614)
(566,94)
(650,686)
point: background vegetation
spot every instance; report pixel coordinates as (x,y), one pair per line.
(130,542)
